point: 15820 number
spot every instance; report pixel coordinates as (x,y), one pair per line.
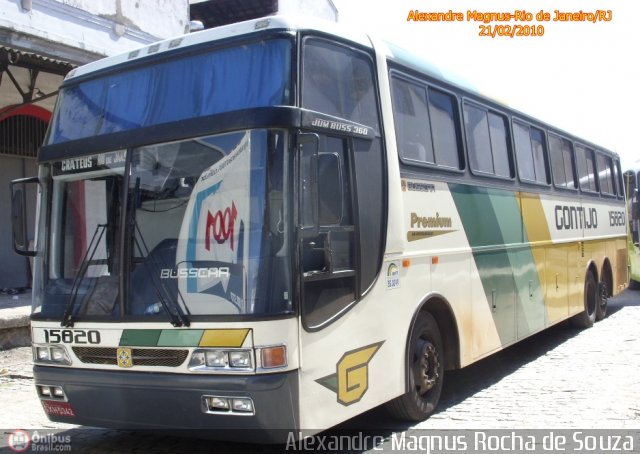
(71,336)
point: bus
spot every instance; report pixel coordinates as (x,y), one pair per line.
(631,178)
(280,224)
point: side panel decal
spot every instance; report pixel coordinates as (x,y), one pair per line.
(184,338)
(351,380)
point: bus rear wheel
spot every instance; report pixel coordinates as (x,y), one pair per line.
(587,317)
(426,372)
(603,300)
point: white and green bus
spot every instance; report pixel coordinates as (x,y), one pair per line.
(631,178)
(278,225)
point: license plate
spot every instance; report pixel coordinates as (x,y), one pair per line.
(58,408)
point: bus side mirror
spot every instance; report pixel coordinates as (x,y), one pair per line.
(19,215)
(308,205)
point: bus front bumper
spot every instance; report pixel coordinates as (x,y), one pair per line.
(178,402)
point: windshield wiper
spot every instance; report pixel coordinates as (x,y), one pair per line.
(67,318)
(178,316)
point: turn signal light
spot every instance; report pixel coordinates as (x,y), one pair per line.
(272,357)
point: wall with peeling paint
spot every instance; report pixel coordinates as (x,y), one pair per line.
(79,31)
(161,18)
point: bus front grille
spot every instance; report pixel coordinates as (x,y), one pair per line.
(155,357)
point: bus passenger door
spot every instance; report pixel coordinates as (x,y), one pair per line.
(341,347)
(326,234)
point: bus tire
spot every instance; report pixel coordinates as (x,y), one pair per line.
(634,285)
(587,317)
(425,369)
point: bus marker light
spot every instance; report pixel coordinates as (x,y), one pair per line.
(406,263)
(435,260)
(273,356)
(57,392)
(219,403)
(261,24)
(44,391)
(243,405)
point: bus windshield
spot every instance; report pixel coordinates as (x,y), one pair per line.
(179,88)
(194,227)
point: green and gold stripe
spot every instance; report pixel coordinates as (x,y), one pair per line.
(229,338)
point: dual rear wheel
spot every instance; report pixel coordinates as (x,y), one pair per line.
(596,296)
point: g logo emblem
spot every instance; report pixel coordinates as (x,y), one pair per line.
(351,380)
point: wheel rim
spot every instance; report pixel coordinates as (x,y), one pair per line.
(426,366)
(591,298)
(604,294)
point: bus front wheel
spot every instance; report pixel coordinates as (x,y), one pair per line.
(425,369)
(587,317)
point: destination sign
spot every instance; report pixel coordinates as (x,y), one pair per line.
(90,163)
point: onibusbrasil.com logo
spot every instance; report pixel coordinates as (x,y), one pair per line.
(22,441)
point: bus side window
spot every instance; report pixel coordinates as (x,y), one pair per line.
(562,167)
(338,81)
(426,129)
(605,174)
(487,141)
(530,153)
(586,170)
(617,178)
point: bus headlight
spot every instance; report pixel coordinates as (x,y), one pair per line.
(218,360)
(54,354)
(240,358)
(42,354)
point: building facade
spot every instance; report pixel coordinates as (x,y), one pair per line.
(40,41)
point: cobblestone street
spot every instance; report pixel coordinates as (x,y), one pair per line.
(561,378)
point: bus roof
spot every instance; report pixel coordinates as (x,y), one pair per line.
(424,66)
(293,23)
(288,23)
